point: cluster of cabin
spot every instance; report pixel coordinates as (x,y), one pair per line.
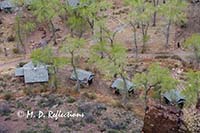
(38,73)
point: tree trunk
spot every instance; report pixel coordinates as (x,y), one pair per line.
(75,72)
(101,40)
(155,3)
(167,34)
(147,89)
(144,36)
(135,39)
(5,52)
(91,23)
(19,35)
(55,82)
(53,32)
(146,108)
(198,101)
(135,42)
(125,97)
(154,19)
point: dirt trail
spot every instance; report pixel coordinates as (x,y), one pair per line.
(13,63)
(182,54)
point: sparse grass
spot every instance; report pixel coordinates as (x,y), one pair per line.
(28,131)
(20,105)
(44,88)
(3,84)
(129,106)
(46,129)
(15,51)
(11,38)
(7,96)
(91,96)
(27,91)
(116,104)
(7,77)
(113,131)
(71,99)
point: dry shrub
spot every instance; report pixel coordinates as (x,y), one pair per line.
(15,51)
(7,96)
(116,104)
(27,91)
(91,96)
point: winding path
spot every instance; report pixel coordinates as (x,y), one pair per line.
(13,63)
(182,54)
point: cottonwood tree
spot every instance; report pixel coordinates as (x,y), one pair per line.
(192,90)
(48,57)
(193,43)
(73,47)
(140,15)
(173,12)
(45,11)
(113,64)
(156,79)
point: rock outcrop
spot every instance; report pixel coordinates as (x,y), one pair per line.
(161,119)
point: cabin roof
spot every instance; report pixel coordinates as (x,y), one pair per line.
(6,4)
(119,84)
(83,76)
(73,3)
(174,96)
(33,73)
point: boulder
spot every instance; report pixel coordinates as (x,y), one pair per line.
(162,119)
